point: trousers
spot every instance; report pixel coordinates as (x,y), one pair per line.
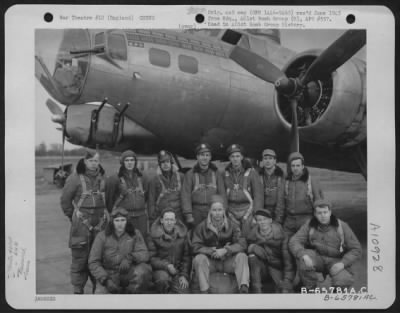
(200,213)
(140,223)
(237,264)
(259,271)
(322,264)
(245,225)
(165,283)
(80,269)
(135,281)
(291,225)
(80,242)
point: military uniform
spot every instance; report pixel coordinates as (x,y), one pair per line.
(326,245)
(168,249)
(198,187)
(297,204)
(129,190)
(165,191)
(106,256)
(83,202)
(273,186)
(205,238)
(268,254)
(244,192)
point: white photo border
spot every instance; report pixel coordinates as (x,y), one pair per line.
(20,24)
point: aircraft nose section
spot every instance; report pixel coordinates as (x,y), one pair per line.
(61,72)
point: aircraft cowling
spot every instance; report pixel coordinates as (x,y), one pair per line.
(336,104)
(106,129)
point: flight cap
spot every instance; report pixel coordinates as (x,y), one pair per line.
(234,148)
(203,147)
(269,152)
(119,211)
(125,154)
(163,156)
(90,153)
(295,156)
(263,212)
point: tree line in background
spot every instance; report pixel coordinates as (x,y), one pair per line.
(55,149)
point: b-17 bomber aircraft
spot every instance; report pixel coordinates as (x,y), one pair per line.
(171,89)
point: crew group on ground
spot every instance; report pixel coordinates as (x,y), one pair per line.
(208,231)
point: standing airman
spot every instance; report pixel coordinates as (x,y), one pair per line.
(83,202)
(243,189)
(300,191)
(128,189)
(272,178)
(200,183)
(165,188)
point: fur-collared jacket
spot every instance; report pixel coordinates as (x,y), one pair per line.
(124,188)
(168,249)
(108,251)
(201,197)
(160,199)
(298,196)
(273,186)
(326,241)
(238,201)
(72,191)
(206,237)
(272,249)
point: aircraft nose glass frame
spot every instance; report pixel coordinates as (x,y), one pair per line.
(71,69)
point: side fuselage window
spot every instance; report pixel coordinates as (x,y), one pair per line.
(188,64)
(159,57)
(117,47)
(99,39)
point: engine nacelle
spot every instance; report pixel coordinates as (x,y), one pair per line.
(335,111)
(86,126)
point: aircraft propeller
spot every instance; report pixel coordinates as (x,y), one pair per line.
(59,117)
(304,87)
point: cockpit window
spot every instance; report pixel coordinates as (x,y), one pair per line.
(159,57)
(188,64)
(117,47)
(99,39)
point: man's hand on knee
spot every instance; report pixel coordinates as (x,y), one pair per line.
(336,268)
(308,262)
(124,266)
(219,253)
(172,270)
(111,286)
(183,283)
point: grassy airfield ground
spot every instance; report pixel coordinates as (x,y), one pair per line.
(347,192)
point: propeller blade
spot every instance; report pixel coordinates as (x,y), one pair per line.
(294,131)
(335,55)
(54,108)
(60,119)
(62,148)
(256,64)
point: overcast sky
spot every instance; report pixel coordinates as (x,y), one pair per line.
(297,40)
